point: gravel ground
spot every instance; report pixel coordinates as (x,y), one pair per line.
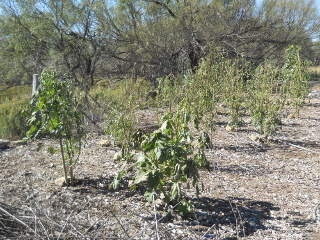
(251,191)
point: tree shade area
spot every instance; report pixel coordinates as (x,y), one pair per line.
(93,40)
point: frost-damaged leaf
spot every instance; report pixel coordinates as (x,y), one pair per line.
(175,192)
(166,127)
(116,181)
(141,176)
(150,144)
(149,195)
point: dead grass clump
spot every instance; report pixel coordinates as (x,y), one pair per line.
(315,69)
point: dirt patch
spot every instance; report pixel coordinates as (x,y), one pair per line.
(252,190)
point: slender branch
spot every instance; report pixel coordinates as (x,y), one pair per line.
(64,226)
(125,231)
(64,163)
(164,6)
(17,219)
(155,217)
(293,145)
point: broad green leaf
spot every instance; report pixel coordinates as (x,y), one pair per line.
(160,153)
(154,179)
(149,195)
(51,150)
(31,131)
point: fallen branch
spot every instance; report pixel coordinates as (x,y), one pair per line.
(293,145)
(125,231)
(17,219)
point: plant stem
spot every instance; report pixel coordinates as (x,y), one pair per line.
(64,163)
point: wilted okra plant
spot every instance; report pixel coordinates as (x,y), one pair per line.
(264,102)
(295,78)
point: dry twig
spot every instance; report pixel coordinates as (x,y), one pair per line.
(17,219)
(155,217)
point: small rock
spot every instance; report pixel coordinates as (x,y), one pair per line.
(60,182)
(177,231)
(291,116)
(117,156)
(254,137)
(314,94)
(230,128)
(257,138)
(130,183)
(4,143)
(159,202)
(105,143)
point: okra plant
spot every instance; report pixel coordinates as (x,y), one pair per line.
(168,158)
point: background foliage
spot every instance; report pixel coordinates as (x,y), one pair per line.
(94,40)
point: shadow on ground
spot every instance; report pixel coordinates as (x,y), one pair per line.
(246,169)
(305,144)
(242,216)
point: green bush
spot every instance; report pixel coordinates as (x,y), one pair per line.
(169,158)
(12,124)
(59,109)
(12,103)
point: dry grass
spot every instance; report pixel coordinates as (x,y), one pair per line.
(315,69)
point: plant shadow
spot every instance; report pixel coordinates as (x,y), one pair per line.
(253,170)
(247,148)
(303,144)
(101,185)
(242,216)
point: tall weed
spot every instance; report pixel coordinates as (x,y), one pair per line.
(120,107)
(264,100)
(295,78)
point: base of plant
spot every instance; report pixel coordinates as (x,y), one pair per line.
(259,138)
(61,182)
(231,128)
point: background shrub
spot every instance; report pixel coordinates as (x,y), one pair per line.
(12,103)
